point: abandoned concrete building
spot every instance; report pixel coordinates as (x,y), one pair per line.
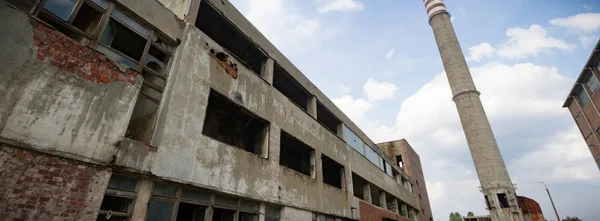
(583,103)
(403,155)
(175,110)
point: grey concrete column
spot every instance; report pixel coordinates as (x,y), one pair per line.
(267,70)
(261,215)
(367,192)
(141,202)
(396,209)
(311,107)
(382,200)
(340,131)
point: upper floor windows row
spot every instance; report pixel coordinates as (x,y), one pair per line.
(367,151)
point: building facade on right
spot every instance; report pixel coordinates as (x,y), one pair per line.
(583,102)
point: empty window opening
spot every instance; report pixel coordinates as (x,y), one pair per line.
(224,33)
(390,203)
(289,87)
(223,214)
(296,155)
(403,209)
(358,185)
(503,200)
(119,198)
(244,216)
(375,199)
(419,196)
(272,212)
(327,118)
(333,172)
(399,160)
(190,212)
(230,123)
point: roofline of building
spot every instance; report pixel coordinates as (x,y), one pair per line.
(593,57)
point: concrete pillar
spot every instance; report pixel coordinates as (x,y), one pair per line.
(261,215)
(491,170)
(382,200)
(396,209)
(141,202)
(367,192)
(340,131)
(311,107)
(208,214)
(267,70)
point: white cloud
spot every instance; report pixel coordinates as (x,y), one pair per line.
(588,7)
(587,22)
(343,89)
(285,25)
(325,6)
(377,91)
(564,157)
(460,13)
(390,53)
(355,109)
(525,43)
(584,25)
(480,51)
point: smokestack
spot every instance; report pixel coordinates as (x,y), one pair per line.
(495,182)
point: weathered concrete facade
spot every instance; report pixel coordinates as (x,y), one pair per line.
(583,102)
(496,185)
(403,155)
(81,102)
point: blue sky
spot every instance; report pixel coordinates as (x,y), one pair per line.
(378,61)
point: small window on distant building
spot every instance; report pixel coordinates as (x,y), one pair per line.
(399,160)
(592,82)
(583,96)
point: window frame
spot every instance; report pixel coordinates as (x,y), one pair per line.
(122,194)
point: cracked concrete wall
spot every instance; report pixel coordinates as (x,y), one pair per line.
(51,109)
(185,155)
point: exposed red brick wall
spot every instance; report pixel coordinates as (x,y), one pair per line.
(64,53)
(35,186)
(369,212)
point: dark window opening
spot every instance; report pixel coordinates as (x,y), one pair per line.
(388,219)
(358,184)
(399,160)
(272,212)
(87,19)
(120,37)
(503,200)
(116,204)
(229,123)
(390,202)
(224,33)
(295,155)
(327,118)
(419,196)
(223,214)
(159,210)
(244,216)
(375,199)
(289,87)
(403,208)
(332,172)
(190,212)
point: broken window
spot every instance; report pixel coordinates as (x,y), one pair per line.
(372,155)
(333,172)
(289,87)
(375,195)
(411,213)
(503,200)
(190,212)
(272,212)
(388,169)
(232,124)
(228,36)
(354,141)
(327,118)
(487,202)
(399,160)
(390,203)
(583,96)
(119,198)
(403,208)
(296,155)
(358,183)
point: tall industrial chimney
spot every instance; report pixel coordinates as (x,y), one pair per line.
(495,182)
